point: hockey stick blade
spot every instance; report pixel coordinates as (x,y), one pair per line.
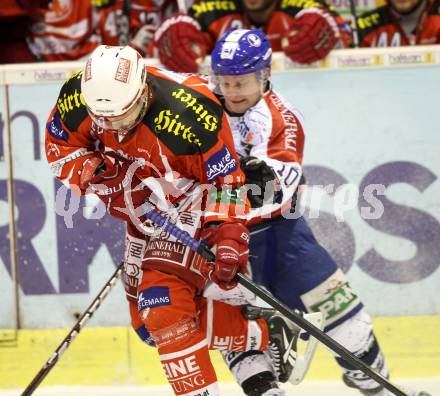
(314,331)
(303,362)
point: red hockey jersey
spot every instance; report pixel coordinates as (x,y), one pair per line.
(216,17)
(114,29)
(379,28)
(184,133)
(65,33)
(184,142)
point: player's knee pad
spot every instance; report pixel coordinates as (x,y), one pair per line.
(252,370)
(356,334)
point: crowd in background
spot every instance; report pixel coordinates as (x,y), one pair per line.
(57,30)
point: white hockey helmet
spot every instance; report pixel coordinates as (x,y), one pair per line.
(114,87)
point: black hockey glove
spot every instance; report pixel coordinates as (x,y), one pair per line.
(259,174)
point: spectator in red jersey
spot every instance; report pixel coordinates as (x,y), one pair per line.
(71,30)
(401,22)
(15,17)
(62,31)
(65,33)
(120,24)
(305,31)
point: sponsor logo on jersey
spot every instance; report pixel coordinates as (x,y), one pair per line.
(167,121)
(154,297)
(160,249)
(338,301)
(181,367)
(209,121)
(253,344)
(55,129)
(229,343)
(70,100)
(291,126)
(185,120)
(209,6)
(57,166)
(369,21)
(229,195)
(221,163)
(184,375)
(300,4)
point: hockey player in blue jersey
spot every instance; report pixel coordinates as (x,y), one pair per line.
(285,256)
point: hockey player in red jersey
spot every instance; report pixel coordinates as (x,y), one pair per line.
(285,256)
(15,18)
(71,30)
(134,24)
(401,22)
(305,31)
(66,32)
(119,125)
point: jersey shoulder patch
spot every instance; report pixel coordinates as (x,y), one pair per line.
(208,11)
(183,119)
(373,19)
(71,105)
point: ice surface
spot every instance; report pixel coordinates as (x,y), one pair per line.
(307,388)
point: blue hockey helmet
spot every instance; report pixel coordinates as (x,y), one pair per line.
(241,51)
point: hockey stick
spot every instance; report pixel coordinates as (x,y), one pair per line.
(294,315)
(355,23)
(73,332)
(124,23)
